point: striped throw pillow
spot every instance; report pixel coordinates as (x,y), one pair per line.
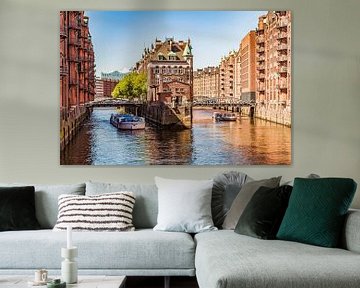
(105,212)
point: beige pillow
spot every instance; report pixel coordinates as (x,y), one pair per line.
(243,198)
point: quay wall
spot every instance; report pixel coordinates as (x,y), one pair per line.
(159,114)
(70,125)
(279,116)
(276,115)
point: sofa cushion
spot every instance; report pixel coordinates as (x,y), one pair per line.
(46,200)
(105,212)
(310,176)
(350,239)
(243,198)
(184,205)
(225,189)
(17,208)
(146,205)
(263,215)
(142,249)
(225,259)
(317,209)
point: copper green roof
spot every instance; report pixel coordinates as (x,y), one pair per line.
(187,50)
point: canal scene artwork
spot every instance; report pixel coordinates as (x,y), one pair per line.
(175,88)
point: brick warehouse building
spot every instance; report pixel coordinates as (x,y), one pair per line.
(206,83)
(273,78)
(234,78)
(168,65)
(227,79)
(259,71)
(247,67)
(77,72)
(104,87)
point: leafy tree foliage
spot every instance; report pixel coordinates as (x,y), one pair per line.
(132,86)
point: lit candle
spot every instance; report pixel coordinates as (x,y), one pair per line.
(69,240)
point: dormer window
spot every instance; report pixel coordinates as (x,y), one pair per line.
(161,57)
(172,56)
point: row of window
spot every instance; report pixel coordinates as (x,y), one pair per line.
(169,79)
(170,70)
(176,90)
(171,58)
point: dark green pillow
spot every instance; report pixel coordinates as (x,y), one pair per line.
(316,211)
(17,208)
(263,214)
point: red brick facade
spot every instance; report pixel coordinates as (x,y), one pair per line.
(77,68)
(77,72)
(259,72)
(206,83)
(273,96)
(168,66)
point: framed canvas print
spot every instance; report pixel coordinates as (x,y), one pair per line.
(175,87)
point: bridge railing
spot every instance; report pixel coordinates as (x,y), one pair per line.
(112,103)
(224,103)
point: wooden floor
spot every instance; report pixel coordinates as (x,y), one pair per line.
(158,282)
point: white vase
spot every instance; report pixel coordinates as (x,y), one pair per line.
(69,270)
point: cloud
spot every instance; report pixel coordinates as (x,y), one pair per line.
(125,70)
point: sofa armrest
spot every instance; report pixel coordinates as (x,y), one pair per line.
(351,234)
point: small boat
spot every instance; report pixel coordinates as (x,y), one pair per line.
(218,116)
(228,117)
(127,121)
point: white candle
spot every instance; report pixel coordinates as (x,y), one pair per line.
(69,239)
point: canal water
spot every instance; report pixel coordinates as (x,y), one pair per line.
(244,142)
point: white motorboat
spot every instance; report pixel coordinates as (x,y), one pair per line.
(229,117)
(127,121)
(218,116)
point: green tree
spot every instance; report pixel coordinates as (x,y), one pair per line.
(133,85)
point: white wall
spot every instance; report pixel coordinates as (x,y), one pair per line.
(326,91)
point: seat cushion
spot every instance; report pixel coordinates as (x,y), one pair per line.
(225,259)
(143,249)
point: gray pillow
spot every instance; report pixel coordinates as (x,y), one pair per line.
(46,200)
(226,187)
(184,205)
(243,198)
(310,176)
(146,204)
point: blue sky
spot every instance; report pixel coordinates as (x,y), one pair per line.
(119,37)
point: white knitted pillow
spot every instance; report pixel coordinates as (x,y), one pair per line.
(105,212)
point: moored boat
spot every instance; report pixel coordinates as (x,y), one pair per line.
(218,116)
(127,121)
(229,117)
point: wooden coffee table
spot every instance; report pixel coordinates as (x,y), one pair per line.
(83,282)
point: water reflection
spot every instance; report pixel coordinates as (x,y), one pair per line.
(246,141)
